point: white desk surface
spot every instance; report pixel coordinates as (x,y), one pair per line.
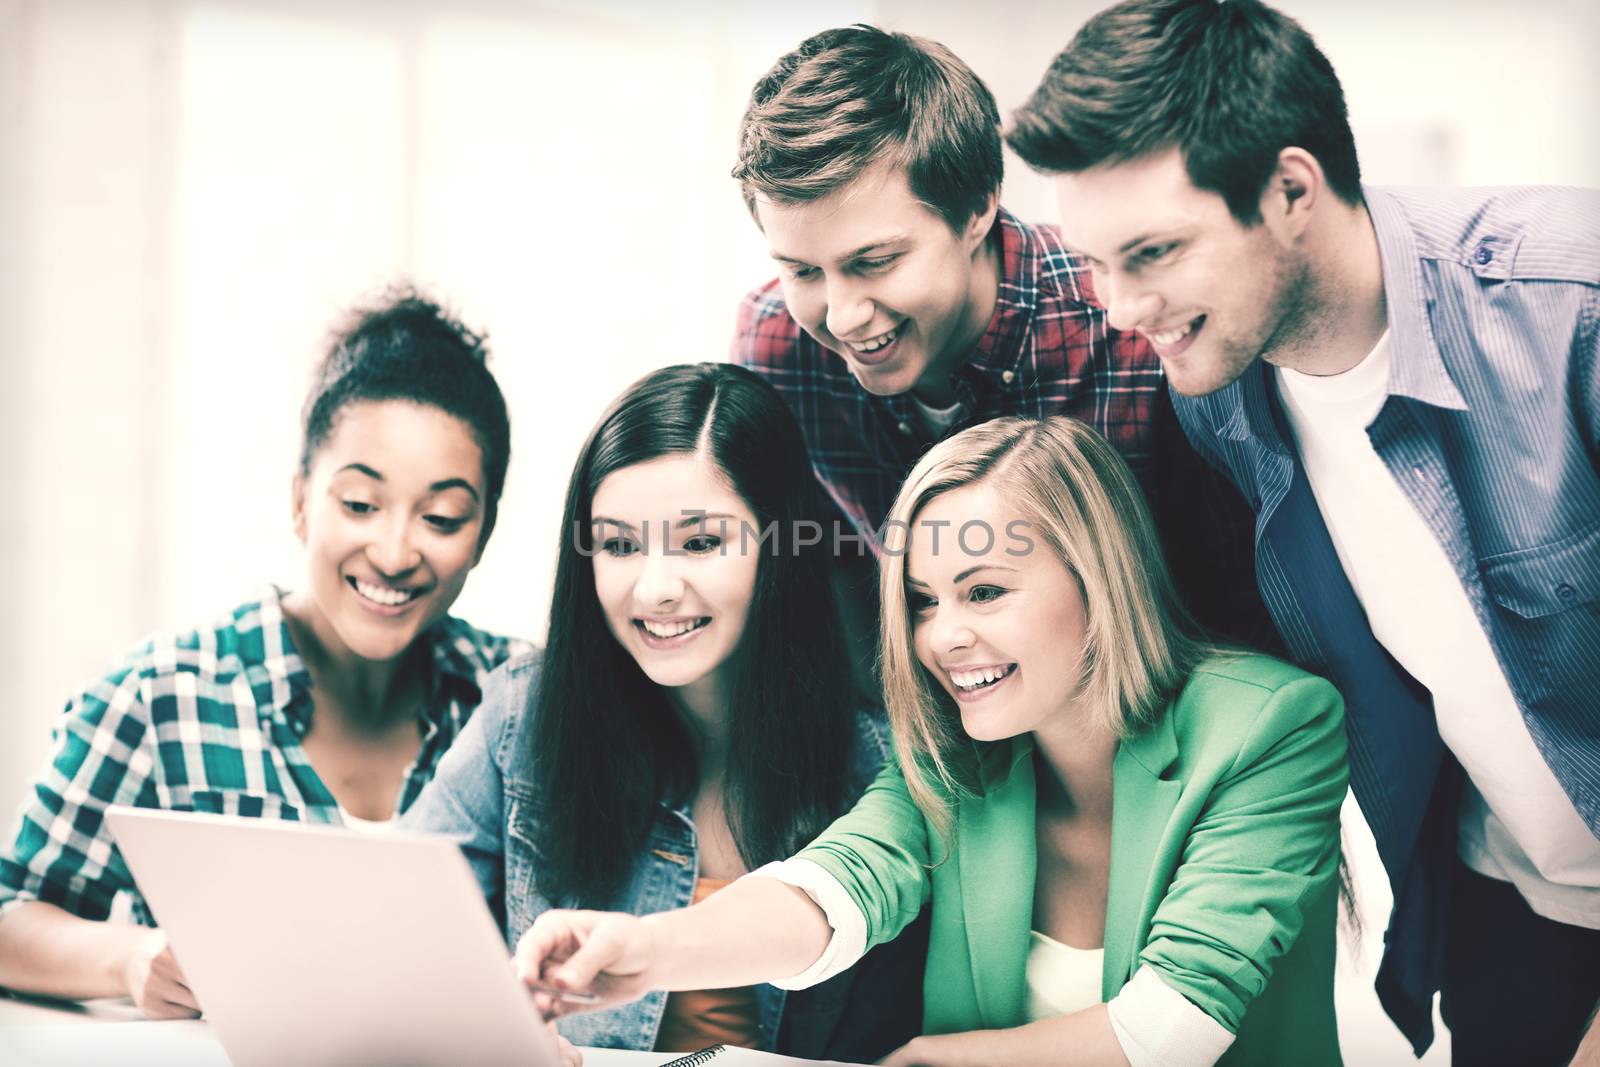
(112,1033)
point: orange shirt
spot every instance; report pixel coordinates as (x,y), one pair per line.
(698,1018)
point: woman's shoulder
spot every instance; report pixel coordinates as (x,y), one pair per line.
(1231,694)
(1240,671)
(479,651)
(508,694)
(170,672)
(251,634)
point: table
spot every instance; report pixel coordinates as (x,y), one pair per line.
(112,1033)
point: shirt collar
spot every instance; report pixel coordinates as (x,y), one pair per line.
(1153,746)
(1417,368)
(1249,405)
(1016,298)
(276,656)
(999,351)
(454,672)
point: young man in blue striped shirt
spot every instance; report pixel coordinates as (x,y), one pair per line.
(1406,386)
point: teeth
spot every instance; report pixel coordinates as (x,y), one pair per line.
(1172,337)
(878,342)
(382,594)
(670,629)
(973,679)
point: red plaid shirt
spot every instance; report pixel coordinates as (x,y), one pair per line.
(1048,350)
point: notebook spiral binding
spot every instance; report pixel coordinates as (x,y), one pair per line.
(696,1059)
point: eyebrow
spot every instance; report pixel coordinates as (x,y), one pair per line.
(1135,243)
(687,520)
(870,246)
(970,571)
(436,487)
(1143,238)
(964,575)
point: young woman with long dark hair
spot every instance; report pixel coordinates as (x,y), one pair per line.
(1129,839)
(692,717)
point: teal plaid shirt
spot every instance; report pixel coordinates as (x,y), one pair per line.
(210,720)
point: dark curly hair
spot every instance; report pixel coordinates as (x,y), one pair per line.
(410,348)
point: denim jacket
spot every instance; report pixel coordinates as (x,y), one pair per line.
(481,795)
(1492,430)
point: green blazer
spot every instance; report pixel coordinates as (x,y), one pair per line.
(1224,865)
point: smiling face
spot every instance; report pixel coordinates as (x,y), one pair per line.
(391,515)
(875,275)
(1002,633)
(1171,262)
(674,571)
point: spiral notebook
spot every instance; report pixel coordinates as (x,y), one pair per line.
(727,1056)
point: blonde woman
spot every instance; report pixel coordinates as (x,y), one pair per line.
(1129,840)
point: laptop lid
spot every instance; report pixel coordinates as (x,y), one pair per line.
(317,946)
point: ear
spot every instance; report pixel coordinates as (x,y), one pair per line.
(297,506)
(977,229)
(1295,189)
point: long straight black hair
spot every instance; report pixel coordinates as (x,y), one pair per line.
(607,747)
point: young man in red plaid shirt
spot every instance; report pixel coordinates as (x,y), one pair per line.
(910,305)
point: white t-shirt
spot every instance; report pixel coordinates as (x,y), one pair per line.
(1517,823)
(367,826)
(936,421)
(1060,979)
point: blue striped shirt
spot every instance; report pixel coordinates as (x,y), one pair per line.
(1491,429)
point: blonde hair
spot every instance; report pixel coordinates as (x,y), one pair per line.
(1078,497)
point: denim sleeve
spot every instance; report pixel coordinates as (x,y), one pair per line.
(466,799)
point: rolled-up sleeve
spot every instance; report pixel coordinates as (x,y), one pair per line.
(1266,845)
(878,852)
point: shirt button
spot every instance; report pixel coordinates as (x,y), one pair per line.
(1007,376)
(905,428)
(1483,255)
(1565,591)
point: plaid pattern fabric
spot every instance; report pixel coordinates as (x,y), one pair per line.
(1048,351)
(212,721)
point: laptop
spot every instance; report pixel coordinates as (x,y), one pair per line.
(321,947)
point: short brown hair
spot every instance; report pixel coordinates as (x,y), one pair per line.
(1230,84)
(853,97)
